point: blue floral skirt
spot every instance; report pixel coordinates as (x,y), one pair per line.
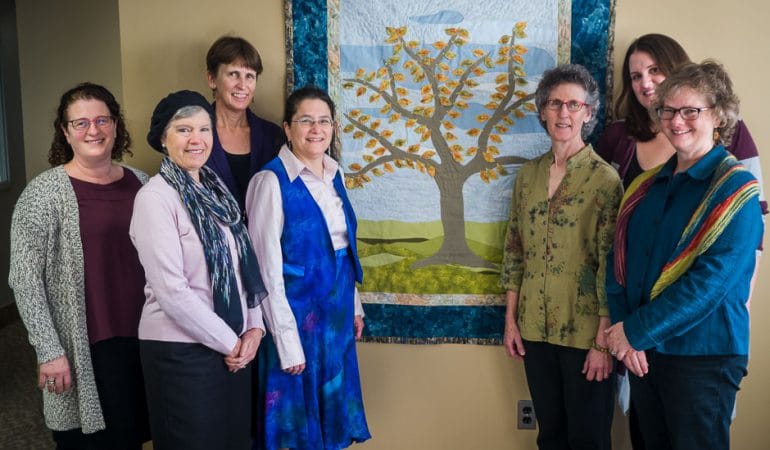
(322,408)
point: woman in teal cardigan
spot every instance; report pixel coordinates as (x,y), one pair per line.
(681,268)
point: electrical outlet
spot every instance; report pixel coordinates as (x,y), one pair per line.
(525,417)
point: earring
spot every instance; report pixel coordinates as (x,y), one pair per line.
(716,134)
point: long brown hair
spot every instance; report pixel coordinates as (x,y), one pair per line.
(667,54)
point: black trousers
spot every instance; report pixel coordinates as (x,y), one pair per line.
(194,402)
(686,402)
(572,412)
(119,382)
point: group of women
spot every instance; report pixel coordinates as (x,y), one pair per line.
(144,297)
(135,288)
(657,278)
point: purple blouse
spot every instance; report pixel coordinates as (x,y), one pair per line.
(114,279)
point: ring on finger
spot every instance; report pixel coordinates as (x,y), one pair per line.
(50,381)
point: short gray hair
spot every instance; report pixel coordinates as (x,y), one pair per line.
(183,113)
(569,74)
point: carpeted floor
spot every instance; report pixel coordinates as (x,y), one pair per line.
(21,406)
(22,426)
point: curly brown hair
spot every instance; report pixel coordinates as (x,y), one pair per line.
(61,151)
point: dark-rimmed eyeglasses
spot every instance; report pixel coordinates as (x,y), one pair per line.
(554,104)
(686,113)
(83,124)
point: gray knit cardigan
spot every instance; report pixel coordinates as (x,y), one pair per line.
(46,276)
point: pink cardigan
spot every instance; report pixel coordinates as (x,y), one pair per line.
(179,301)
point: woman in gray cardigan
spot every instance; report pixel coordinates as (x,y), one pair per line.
(77,279)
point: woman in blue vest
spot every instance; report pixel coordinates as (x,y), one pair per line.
(304,233)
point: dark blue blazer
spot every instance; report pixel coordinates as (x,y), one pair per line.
(266,140)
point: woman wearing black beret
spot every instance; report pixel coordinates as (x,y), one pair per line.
(201,324)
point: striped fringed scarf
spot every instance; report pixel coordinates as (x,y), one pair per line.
(723,199)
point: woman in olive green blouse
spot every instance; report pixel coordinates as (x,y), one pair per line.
(561,227)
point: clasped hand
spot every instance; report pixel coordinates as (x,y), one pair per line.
(620,348)
(245,350)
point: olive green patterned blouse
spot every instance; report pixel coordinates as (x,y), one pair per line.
(555,250)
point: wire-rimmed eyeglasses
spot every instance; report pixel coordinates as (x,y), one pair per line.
(82,124)
(307,122)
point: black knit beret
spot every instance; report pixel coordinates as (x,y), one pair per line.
(167,108)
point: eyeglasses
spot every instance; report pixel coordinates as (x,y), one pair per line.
(686,113)
(554,104)
(306,122)
(83,124)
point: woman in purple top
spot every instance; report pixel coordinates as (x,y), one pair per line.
(243,142)
(77,279)
(633,144)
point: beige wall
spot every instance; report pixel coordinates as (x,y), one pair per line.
(53,58)
(164,48)
(419,397)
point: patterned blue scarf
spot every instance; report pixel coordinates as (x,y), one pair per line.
(209,204)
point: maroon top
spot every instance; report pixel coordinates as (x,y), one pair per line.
(114,278)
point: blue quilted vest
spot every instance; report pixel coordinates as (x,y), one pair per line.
(309,263)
